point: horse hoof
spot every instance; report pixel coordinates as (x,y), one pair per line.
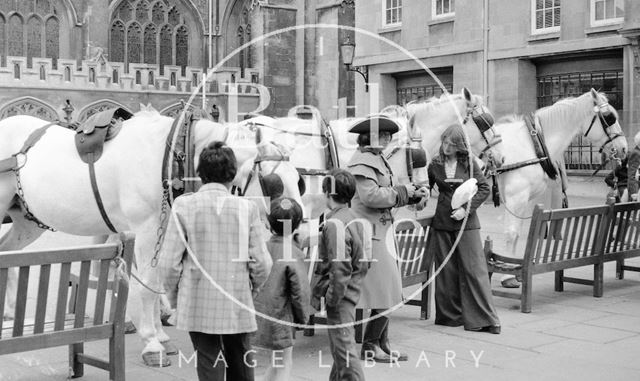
(156,359)
(170,348)
(129,328)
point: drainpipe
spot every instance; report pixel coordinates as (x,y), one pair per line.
(210,34)
(485,52)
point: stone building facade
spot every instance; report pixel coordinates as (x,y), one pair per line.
(521,55)
(100,54)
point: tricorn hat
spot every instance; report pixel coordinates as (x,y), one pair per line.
(383,122)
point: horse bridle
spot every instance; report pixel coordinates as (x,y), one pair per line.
(484,121)
(257,169)
(607,120)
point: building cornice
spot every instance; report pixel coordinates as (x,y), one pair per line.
(559,47)
(435,51)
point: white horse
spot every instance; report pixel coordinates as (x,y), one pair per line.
(589,114)
(309,151)
(430,118)
(58,192)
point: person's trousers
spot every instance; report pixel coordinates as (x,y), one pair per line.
(463,290)
(219,353)
(346,364)
(375,329)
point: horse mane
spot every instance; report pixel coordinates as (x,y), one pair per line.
(565,111)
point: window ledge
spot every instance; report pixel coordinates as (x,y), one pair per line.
(390,28)
(602,29)
(442,20)
(544,37)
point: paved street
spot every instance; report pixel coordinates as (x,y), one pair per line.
(567,336)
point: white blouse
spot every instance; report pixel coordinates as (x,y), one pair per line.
(450,169)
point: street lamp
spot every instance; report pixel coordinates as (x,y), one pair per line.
(347,48)
(215,112)
(68,110)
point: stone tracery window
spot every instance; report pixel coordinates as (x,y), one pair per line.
(159,36)
(33,28)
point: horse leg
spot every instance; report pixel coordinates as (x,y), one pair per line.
(21,234)
(143,304)
(516,211)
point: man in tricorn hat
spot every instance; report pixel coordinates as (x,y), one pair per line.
(375,196)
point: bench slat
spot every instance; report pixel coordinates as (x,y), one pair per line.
(81,297)
(575,222)
(21,300)
(565,238)
(101,292)
(551,226)
(63,290)
(4,273)
(55,339)
(582,228)
(43,292)
(43,257)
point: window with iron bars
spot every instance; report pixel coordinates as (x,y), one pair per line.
(420,93)
(551,88)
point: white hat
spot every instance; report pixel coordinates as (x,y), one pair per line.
(464,193)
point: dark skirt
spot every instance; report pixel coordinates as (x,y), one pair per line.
(463,290)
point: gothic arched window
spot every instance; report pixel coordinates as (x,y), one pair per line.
(149,31)
(134,42)
(166,47)
(16,41)
(32,30)
(34,39)
(182,47)
(150,44)
(116,52)
(244,35)
(52,33)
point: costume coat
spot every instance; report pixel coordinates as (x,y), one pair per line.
(374,198)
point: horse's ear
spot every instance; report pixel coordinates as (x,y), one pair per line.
(467,94)
(143,107)
(594,94)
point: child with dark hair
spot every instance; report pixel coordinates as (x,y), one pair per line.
(219,228)
(285,295)
(217,164)
(344,249)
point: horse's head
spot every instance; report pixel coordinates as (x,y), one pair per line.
(256,177)
(433,116)
(604,129)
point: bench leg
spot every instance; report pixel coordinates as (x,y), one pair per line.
(559,282)
(116,352)
(620,269)
(525,297)
(598,280)
(309,331)
(425,302)
(77,368)
(358,326)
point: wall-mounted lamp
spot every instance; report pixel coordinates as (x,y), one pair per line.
(347,48)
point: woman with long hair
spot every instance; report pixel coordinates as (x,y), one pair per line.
(463,290)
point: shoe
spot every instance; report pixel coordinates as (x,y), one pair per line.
(399,356)
(378,354)
(386,348)
(495,329)
(510,283)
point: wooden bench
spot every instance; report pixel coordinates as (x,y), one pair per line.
(415,268)
(68,329)
(562,239)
